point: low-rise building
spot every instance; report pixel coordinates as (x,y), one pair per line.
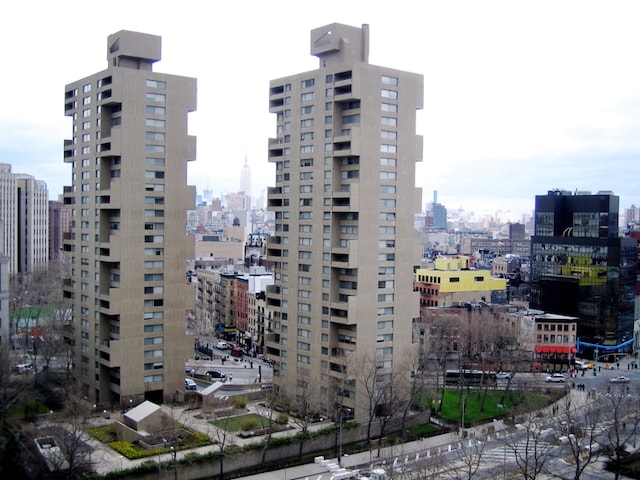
(451,282)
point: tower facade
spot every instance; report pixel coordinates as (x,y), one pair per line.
(33,223)
(9,216)
(128,247)
(581,267)
(344,201)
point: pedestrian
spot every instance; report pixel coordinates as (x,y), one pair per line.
(624,426)
(230,378)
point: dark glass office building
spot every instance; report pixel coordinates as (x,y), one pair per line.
(581,267)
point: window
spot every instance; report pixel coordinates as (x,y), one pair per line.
(388,80)
(388,134)
(389,121)
(154,264)
(389,107)
(308,83)
(306,123)
(389,94)
(307,97)
(386,148)
(153,328)
(156,97)
(153,277)
(153,122)
(156,84)
(153,110)
(154,136)
(307,110)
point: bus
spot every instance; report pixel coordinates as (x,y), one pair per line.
(469,377)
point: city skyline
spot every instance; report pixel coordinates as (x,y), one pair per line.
(519,98)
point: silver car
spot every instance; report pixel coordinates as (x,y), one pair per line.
(556,378)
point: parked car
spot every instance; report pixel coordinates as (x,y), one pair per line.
(237,352)
(217,374)
(556,378)
(189,384)
(223,345)
(620,379)
(503,375)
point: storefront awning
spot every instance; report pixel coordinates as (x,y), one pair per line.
(555,349)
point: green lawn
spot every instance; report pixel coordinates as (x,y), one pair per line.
(241,422)
(473,411)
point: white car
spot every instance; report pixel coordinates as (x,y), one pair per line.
(620,379)
(503,375)
(222,345)
(555,378)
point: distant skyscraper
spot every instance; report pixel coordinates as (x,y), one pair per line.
(4,298)
(245,179)
(344,200)
(9,216)
(128,248)
(33,223)
(581,267)
(632,216)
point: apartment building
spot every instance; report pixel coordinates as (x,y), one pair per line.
(24,220)
(33,223)
(128,250)
(9,216)
(344,200)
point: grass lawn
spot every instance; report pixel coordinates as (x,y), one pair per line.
(250,421)
(27,409)
(473,412)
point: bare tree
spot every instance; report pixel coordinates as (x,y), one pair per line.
(307,409)
(221,435)
(578,426)
(34,297)
(623,407)
(528,444)
(268,416)
(10,386)
(74,444)
(469,460)
(441,344)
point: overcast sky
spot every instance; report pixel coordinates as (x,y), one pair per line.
(520,96)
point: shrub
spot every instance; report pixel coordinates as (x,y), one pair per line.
(240,401)
(248,424)
(282,419)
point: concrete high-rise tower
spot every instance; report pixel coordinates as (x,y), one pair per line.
(33,223)
(128,247)
(344,201)
(9,216)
